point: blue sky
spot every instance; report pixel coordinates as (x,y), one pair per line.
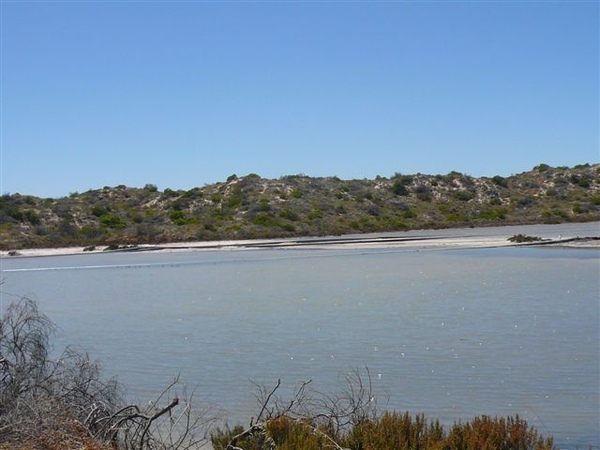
(183,94)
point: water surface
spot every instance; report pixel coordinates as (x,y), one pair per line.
(451,333)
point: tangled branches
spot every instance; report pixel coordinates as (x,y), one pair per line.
(313,416)
(66,399)
(173,426)
(314,420)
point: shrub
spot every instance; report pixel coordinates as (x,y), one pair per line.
(315,214)
(65,403)
(391,430)
(99,211)
(289,214)
(15,214)
(399,188)
(493,214)
(90,232)
(542,168)
(176,215)
(423,193)
(463,196)
(403,180)
(31,217)
(112,221)
(486,433)
(519,238)
(525,202)
(265,220)
(583,183)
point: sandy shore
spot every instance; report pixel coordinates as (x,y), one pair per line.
(556,235)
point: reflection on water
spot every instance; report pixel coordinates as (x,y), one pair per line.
(452,334)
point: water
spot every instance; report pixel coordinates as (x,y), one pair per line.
(450,333)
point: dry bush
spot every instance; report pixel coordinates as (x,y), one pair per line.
(350,420)
(487,433)
(65,403)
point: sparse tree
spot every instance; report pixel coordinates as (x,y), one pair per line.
(65,402)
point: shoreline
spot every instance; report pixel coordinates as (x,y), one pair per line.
(461,238)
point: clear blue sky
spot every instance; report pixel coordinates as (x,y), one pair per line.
(183,94)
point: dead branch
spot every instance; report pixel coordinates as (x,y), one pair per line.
(41,395)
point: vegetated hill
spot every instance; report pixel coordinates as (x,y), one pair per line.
(249,207)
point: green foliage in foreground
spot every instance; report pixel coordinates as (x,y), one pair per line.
(391,430)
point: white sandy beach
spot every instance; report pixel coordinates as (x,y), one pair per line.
(424,239)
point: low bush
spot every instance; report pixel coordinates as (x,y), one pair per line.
(520,238)
(391,430)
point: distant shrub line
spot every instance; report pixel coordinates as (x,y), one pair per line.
(250,207)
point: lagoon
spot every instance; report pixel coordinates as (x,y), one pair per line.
(451,333)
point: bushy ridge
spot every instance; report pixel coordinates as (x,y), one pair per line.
(249,207)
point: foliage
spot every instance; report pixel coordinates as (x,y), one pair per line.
(112,221)
(247,207)
(500,181)
(391,430)
(350,421)
(520,238)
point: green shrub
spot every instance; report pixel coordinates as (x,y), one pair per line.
(98,210)
(315,214)
(289,214)
(542,168)
(399,188)
(493,214)
(151,187)
(179,218)
(112,221)
(31,217)
(463,196)
(288,227)
(500,181)
(15,213)
(404,180)
(169,193)
(583,183)
(90,232)
(265,220)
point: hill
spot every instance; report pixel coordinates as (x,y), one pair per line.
(249,207)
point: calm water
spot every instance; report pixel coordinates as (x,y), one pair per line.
(451,333)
